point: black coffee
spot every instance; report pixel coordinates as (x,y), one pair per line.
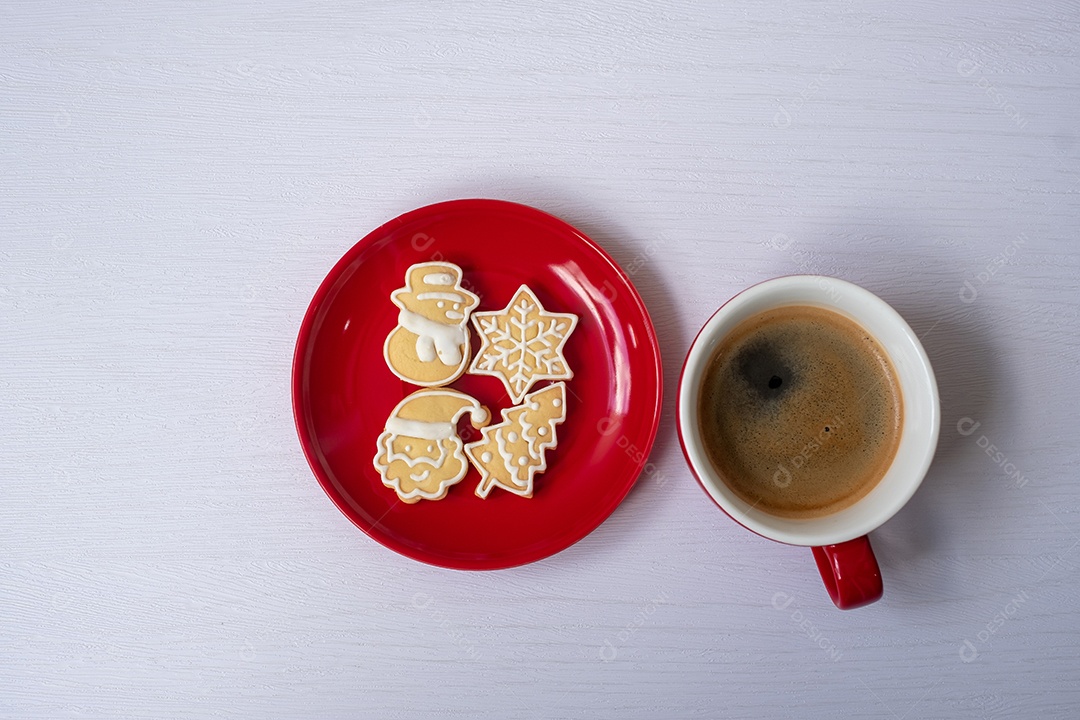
(800,411)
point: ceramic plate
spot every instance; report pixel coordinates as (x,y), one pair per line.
(343,390)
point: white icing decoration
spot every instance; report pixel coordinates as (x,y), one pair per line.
(434,338)
(440,304)
(556,403)
(541,431)
(425,348)
(512,436)
(486,457)
(420,429)
(508,460)
(452,297)
(522,460)
(526,432)
(439,279)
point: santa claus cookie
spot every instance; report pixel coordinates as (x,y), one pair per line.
(420,454)
(511,453)
(523,343)
(430,345)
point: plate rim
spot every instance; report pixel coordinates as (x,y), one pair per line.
(303,339)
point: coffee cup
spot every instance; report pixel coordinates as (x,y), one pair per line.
(839,540)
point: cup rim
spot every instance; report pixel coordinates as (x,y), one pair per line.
(701,466)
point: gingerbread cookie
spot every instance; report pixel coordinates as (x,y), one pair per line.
(419,453)
(522,344)
(430,345)
(511,453)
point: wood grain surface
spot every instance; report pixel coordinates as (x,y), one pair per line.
(178,178)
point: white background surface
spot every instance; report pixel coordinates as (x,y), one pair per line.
(176,182)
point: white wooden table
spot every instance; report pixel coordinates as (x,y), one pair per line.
(177,180)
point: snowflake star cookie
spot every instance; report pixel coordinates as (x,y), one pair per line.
(430,345)
(419,453)
(522,344)
(511,453)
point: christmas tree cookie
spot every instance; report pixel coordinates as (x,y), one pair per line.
(511,453)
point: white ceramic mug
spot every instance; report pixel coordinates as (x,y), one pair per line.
(839,541)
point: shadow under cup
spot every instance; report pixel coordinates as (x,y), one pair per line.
(918,387)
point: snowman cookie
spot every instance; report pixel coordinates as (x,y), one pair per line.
(430,345)
(511,453)
(419,453)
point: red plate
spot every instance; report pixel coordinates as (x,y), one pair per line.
(343,391)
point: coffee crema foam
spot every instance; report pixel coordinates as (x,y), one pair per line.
(800,411)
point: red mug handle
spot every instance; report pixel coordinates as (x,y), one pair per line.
(850,572)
